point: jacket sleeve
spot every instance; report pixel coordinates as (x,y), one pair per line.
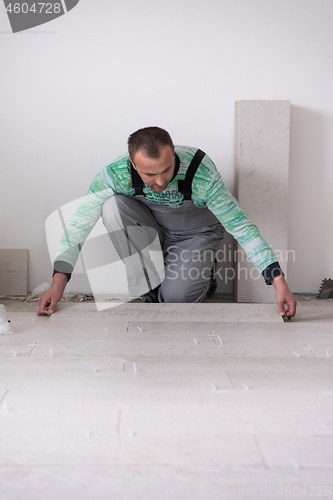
(228,211)
(82,223)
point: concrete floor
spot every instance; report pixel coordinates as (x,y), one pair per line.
(93,407)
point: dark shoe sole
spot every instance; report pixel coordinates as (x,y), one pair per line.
(148,298)
(212,288)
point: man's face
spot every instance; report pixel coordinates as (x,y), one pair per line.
(156,173)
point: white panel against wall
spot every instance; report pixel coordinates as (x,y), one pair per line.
(262,169)
(13,271)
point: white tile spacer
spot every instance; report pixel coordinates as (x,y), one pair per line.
(33,319)
(296,354)
(106,329)
(220,391)
(130,432)
(219,339)
(15,353)
(195,341)
(212,334)
(127,324)
(213,386)
(51,353)
(93,368)
(327,355)
(135,368)
(246,387)
(138,328)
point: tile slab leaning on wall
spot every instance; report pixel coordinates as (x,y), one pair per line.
(261,170)
(13,271)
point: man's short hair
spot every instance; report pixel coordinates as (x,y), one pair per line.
(149,141)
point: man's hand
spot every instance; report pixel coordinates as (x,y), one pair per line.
(285,299)
(48,302)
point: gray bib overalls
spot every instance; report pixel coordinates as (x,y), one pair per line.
(188,236)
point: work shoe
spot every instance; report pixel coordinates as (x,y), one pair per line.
(212,287)
(212,281)
(148,298)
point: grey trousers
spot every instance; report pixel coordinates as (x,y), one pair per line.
(188,237)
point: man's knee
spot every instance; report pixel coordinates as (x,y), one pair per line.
(172,293)
(113,206)
(121,211)
(182,292)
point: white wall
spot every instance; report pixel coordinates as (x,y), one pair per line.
(72,91)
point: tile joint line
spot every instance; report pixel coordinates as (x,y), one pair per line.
(118,423)
(3,397)
(261,453)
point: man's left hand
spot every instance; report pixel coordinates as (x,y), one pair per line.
(285,299)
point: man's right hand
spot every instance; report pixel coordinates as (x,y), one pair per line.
(48,302)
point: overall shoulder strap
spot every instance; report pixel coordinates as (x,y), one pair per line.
(185,186)
(137,182)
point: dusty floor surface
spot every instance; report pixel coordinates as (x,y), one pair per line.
(144,401)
